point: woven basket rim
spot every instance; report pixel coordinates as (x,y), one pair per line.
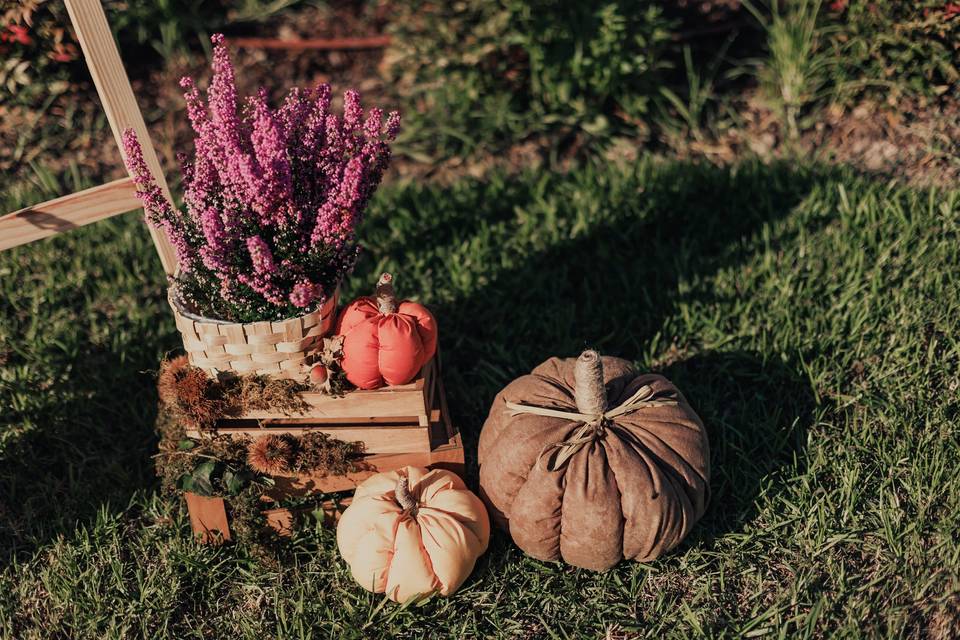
(173,297)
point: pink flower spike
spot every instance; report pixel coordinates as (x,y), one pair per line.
(304,292)
(374,123)
(273,195)
(261,255)
(352,110)
(393,125)
(159,212)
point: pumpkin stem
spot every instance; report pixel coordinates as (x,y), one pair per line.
(589,390)
(386,296)
(404,497)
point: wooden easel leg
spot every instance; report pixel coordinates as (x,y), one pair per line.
(116,96)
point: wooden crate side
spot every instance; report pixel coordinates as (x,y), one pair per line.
(449,454)
(376,438)
(359,405)
(442,448)
(208,518)
(446,452)
(430,378)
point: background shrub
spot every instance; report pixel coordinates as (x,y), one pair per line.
(894,47)
(483,75)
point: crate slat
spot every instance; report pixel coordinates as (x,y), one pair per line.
(407,404)
(378,438)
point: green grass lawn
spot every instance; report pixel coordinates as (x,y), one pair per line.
(810,316)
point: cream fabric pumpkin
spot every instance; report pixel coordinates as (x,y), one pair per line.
(411,532)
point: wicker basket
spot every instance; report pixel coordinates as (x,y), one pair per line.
(280,349)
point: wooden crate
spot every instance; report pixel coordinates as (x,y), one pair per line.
(387,420)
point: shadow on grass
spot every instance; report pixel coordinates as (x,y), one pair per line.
(88,322)
(79,455)
(518,269)
(756,410)
(620,286)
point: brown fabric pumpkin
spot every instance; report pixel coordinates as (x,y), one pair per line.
(631,486)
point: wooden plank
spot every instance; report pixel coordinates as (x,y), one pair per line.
(430,378)
(378,439)
(361,406)
(281,519)
(69,212)
(448,454)
(208,518)
(274,424)
(398,404)
(295,421)
(116,96)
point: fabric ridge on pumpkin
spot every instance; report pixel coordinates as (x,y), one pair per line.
(406,556)
(387,348)
(635,492)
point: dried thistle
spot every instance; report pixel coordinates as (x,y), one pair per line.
(188,392)
(171,372)
(271,454)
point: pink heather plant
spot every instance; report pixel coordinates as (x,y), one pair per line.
(273,196)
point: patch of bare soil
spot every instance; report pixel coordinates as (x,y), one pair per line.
(916,143)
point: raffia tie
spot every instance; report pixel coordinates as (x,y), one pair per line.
(593,426)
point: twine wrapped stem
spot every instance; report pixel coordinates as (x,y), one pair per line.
(592,411)
(386,295)
(404,498)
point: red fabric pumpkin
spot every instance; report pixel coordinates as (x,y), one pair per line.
(385,342)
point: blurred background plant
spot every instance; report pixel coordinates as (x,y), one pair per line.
(686,112)
(516,82)
(45,93)
(893,49)
(795,71)
(34,45)
(482,76)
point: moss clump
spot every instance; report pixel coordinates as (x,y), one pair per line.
(318,453)
(260,393)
